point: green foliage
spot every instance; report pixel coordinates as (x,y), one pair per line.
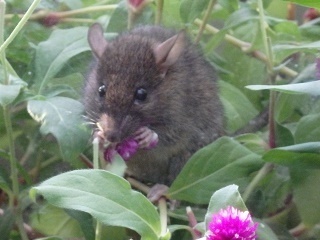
(269,166)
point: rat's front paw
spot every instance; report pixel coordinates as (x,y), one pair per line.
(157,191)
(146,138)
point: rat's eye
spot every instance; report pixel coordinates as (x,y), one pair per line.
(102,90)
(140,94)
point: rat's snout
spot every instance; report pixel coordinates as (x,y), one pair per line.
(113,136)
(114,130)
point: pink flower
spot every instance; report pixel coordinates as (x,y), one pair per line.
(135,3)
(232,224)
(126,149)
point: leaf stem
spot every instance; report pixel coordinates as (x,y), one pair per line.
(255,181)
(159,12)
(96,165)
(163,215)
(205,20)
(20,25)
(245,46)
(271,74)
(14,202)
(43,13)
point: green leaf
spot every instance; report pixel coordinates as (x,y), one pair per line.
(308,129)
(289,157)
(52,54)
(307,3)
(238,109)
(7,221)
(222,198)
(8,93)
(312,88)
(306,194)
(281,51)
(105,196)
(119,19)
(190,9)
(53,221)
(4,185)
(265,233)
(85,222)
(62,117)
(219,164)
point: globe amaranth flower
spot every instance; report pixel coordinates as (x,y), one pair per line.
(137,5)
(232,224)
(126,149)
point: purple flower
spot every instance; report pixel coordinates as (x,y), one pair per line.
(318,68)
(126,149)
(232,224)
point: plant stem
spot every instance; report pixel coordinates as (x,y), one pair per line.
(159,12)
(255,181)
(269,63)
(43,13)
(163,215)
(14,202)
(245,46)
(96,165)
(20,25)
(95,145)
(205,20)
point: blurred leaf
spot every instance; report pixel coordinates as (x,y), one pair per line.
(282,51)
(241,16)
(222,198)
(119,19)
(85,222)
(264,232)
(62,117)
(253,142)
(284,137)
(305,155)
(306,194)
(307,3)
(190,9)
(105,196)
(52,54)
(238,109)
(230,5)
(217,165)
(290,106)
(4,185)
(8,93)
(308,129)
(55,222)
(7,221)
(312,88)
(171,14)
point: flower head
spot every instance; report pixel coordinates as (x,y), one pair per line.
(126,149)
(232,224)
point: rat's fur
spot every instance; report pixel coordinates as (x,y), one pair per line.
(182,104)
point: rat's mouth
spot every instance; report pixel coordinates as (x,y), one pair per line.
(143,138)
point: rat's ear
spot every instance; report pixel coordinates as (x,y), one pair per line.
(168,52)
(96,40)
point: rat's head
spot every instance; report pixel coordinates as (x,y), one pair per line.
(126,81)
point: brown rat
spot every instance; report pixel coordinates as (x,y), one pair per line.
(152,82)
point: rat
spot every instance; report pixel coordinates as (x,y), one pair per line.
(154,85)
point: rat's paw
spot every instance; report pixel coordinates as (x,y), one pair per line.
(157,191)
(146,138)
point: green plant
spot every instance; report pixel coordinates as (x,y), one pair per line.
(268,79)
